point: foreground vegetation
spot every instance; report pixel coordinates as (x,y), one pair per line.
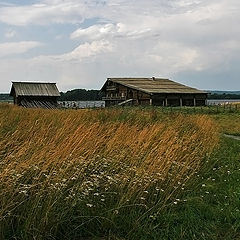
(117,173)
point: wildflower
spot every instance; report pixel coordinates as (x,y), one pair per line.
(89,205)
(115,212)
(175,203)
(102,199)
(203,185)
(142,198)
(24,192)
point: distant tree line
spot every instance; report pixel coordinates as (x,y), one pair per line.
(223,96)
(81,95)
(5,97)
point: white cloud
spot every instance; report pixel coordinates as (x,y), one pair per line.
(43,14)
(10,33)
(47,12)
(13,48)
(95,31)
(103,31)
(86,50)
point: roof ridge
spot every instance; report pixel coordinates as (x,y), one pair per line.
(34,82)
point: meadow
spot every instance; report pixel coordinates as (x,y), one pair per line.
(131,173)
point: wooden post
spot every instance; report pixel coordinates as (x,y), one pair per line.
(194,102)
(180,102)
(150,102)
(166,103)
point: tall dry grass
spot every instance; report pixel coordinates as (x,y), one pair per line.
(76,173)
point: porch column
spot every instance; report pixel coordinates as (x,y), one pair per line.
(180,101)
(194,102)
(166,102)
(150,102)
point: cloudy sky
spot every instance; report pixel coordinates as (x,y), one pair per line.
(79,43)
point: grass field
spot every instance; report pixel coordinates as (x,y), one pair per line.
(132,173)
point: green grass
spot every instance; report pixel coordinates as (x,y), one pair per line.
(208,209)
(210,206)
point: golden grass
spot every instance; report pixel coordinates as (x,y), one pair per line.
(101,160)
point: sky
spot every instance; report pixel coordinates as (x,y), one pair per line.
(80,43)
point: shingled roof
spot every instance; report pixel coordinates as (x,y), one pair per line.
(34,89)
(155,85)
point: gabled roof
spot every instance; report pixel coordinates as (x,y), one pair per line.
(155,85)
(34,89)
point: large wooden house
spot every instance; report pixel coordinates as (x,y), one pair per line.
(35,94)
(151,91)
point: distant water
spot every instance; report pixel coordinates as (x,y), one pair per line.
(222,101)
(101,104)
(82,104)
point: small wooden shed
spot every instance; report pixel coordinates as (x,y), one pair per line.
(35,94)
(151,91)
